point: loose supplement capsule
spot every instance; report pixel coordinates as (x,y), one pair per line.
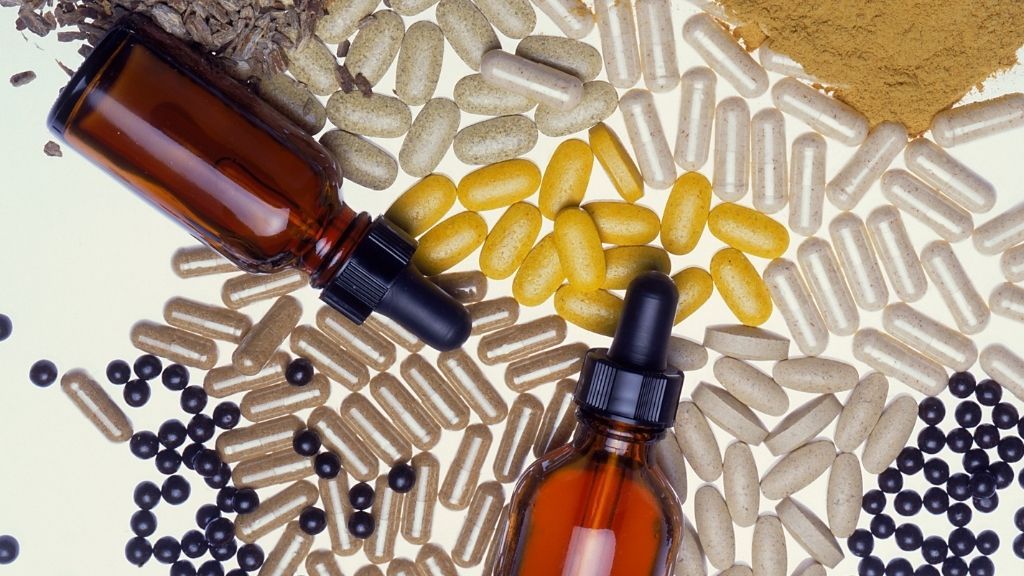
(897,254)
(437,396)
(411,7)
(742,493)
(768,551)
(376,431)
(930,337)
(617,28)
(572,17)
(329,358)
(751,386)
(467,30)
(510,241)
(802,424)
(240,291)
(624,263)
(566,54)
(726,57)
(732,149)
(978,120)
(375,46)
(294,100)
(769,177)
(845,491)
(495,140)
(825,279)
(283,399)
(686,213)
(695,286)
(741,287)
(796,470)
(696,114)
(463,373)
(948,175)
(266,336)
(315,65)
(465,287)
(334,496)
(430,136)
(1012,264)
(598,103)
(809,532)
(821,112)
(419,63)
(714,526)
(376,115)
(275,511)
(432,560)
(284,465)
(890,434)
(810,567)
(863,407)
(520,341)
(858,261)
(622,223)
(729,414)
(617,163)
(658,58)
(1007,300)
(806,183)
(475,95)
(513,18)
(369,570)
(559,419)
(491,315)
(815,375)
(898,361)
(669,457)
(419,504)
(339,435)
(87,395)
(538,82)
(394,332)
(955,287)
(598,311)
(363,342)
(566,178)
(379,547)
(698,442)
(690,561)
(258,439)
(408,415)
(498,185)
(865,167)
(780,63)
(520,432)
(323,563)
(579,249)
(176,345)
(194,261)
(1002,232)
(546,366)
(290,551)
(461,479)
(206,320)
(1005,367)
(360,160)
(648,138)
(481,520)
(450,242)
(342,18)
(909,194)
(748,230)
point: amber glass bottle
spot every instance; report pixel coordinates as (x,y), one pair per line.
(167,121)
(601,506)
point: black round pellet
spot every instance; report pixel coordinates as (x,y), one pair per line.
(931,440)
(193,544)
(246,501)
(226,499)
(205,514)
(861,543)
(193,399)
(327,465)
(210,568)
(167,550)
(899,567)
(312,520)
(910,460)
(968,414)
(168,461)
(43,373)
(975,460)
(183,568)
(986,436)
(954,566)
(962,384)
(144,445)
(988,392)
(959,486)
(986,505)
(909,537)
(143,523)
(146,495)
(306,443)
(136,393)
(147,367)
(890,481)
(936,471)
(982,566)
(983,484)
(227,415)
(907,503)
(1018,546)
(1005,416)
(402,478)
(172,433)
(959,514)
(1020,478)
(219,531)
(871,566)
(1002,472)
(961,541)
(926,570)
(189,453)
(118,372)
(935,500)
(176,490)
(934,550)
(225,551)
(1018,519)
(9,547)
(299,372)
(987,542)
(236,572)
(5,327)
(201,428)
(207,463)
(1011,449)
(1020,428)
(360,496)
(138,551)
(250,557)
(361,524)
(882,526)
(175,377)
(220,478)
(959,440)
(931,411)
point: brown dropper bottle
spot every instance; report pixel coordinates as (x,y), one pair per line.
(171,124)
(601,505)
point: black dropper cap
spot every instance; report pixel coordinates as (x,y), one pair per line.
(631,381)
(379,277)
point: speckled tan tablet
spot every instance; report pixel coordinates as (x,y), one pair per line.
(845,491)
(802,424)
(736,570)
(742,493)
(815,375)
(768,552)
(698,442)
(810,567)
(729,414)
(751,386)
(798,469)
(809,532)
(746,342)
(890,434)
(714,527)
(690,560)
(686,355)
(863,407)
(670,458)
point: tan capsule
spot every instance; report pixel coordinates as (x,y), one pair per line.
(802,424)
(475,95)
(768,552)
(430,137)
(809,532)
(520,341)
(815,375)
(376,45)
(334,496)
(467,30)
(462,477)
(409,416)
(282,399)
(401,567)
(669,457)
(279,467)
(394,332)
(698,442)
(323,563)
(714,526)
(513,18)
(419,63)
(955,286)
(624,263)
(510,240)
(174,344)
(363,342)
(746,342)
(798,469)
(600,99)
(258,439)
(315,65)
(205,320)
(369,570)
(465,287)
(742,493)
(224,381)
(491,315)
(686,355)
(496,542)
(481,520)
(432,560)
(376,431)
(690,560)
(472,385)
(930,337)
(377,115)
(559,419)
(87,395)
(338,435)
(845,491)
(543,367)
(438,397)
(387,515)
(260,343)
(898,361)
(293,99)
(729,413)
(890,433)
(495,140)
(342,18)
(418,509)
(520,431)
(360,159)
(240,291)
(288,554)
(860,414)
(329,358)
(751,386)
(540,274)
(193,261)
(275,511)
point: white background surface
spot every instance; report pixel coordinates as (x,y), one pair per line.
(83,259)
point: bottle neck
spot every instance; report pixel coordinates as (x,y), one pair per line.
(334,245)
(597,433)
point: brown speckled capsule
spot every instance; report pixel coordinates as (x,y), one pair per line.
(224,381)
(205,320)
(402,567)
(275,511)
(418,509)
(496,539)
(264,338)
(369,570)
(243,290)
(491,315)
(363,342)
(195,261)
(282,399)
(472,384)
(434,561)
(334,495)
(548,366)
(438,397)
(376,431)
(379,547)
(559,419)
(263,438)
(287,555)
(394,332)
(466,287)
(408,415)
(480,522)
(520,341)
(323,563)
(174,344)
(520,432)
(96,405)
(279,467)
(464,473)
(338,435)
(329,358)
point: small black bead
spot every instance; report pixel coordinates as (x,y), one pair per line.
(962,384)
(402,478)
(931,440)
(361,524)
(166,550)
(189,453)
(136,393)
(982,566)
(1002,472)
(227,415)
(176,490)
(1018,546)
(890,481)
(961,541)
(936,500)
(968,414)
(144,445)
(910,460)
(5,327)
(987,542)
(226,499)
(873,502)
(210,568)
(926,570)
(9,547)
(882,526)
(147,367)
(327,465)
(143,523)
(907,503)
(959,486)
(201,428)
(313,520)
(306,443)
(205,514)
(219,531)
(206,463)
(988,392)
(934,549)
(954,566)
(193,399)
(983,485)
(299,372)
(172,433)
(118,372)
(1020,478)
(146,495)
(175,378)
(250,557)
(43,373)
(236,572)
(959,514)
(899,567)
(986,436)
(220,478)
(986,505)
(931,411)
(183,568)
(1005,416)
(959,440)
(861,543)
(975,460)
(246,501)
(1011,449)
(168,461)
(138,551)
(909,537)
(224,552)
(871,566)
(193,544)
(360,496)
(936,471)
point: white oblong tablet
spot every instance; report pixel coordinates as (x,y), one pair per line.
(796,470)
(729,413)
(890,434)
(845,492)
(861,412)
(751,386)
(768,551)
(714,527)
(802,424)
(809,532)
(698,442)
(746,342)
(815,375)
(742,492)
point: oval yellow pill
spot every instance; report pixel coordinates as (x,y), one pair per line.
(499,185)
(450,242)
(695,286)
(748,230)
(624,224)
(423,205)
(617,162)
(539,275)
(566,178)
(579,249)
(510,241)
(623,263)
(597,311)
(741,287)
(686,213)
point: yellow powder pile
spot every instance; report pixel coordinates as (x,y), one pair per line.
(901,60)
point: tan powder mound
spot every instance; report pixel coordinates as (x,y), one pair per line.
(901,60)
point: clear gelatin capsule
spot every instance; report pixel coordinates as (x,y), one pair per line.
(499,185)
(491,315)
(329,358)
(928,336)
(285,465)
(509,242)
(559,419)
(450,242)
(780,63)
(419,504)
(206,320)
(276,511)
(825,279)
(725,56)
(858,261)
(539,275)
(464,474)
(438,397)
(748,230)
(376,45)
(379,546)
(539,82)
(978,120)
(289,553)
(174,344)
(867,164)
(334,496)
(1012,263)
(658,58)
(423,205)
(283,399)
(375,430)
(480,523)
(934,210)
(419,63)
(467,30)
(87,395)
(520,341)
(622,223)
(624,263)
(240,291)
(897,254)
(1007,300)
(953,178)
(496,542)
(513,18)
(617,163)
(732,149)
(369,346)
(432,560)
(193,261)
(472,384)
(566,54)
(566,177)
(769,174)
(430,137)
(323,563)
(807,183)
(1005,367)
(546,366)
(517,438)
(579,249)
(572,17)
(648,138)
(898,361)
(954,285)
(266,336)
(409,416)
(1002,232)
(696,115)
(224,381)
(338,435)
(395,332)
(686,213)
(598,311)
(821,112)
(258,439)
(465,287)
(790,294)
(617,27)
(741,287)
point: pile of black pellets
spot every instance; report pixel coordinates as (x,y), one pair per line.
(986,439)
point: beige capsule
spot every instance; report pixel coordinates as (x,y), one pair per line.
(475,95)
(491,315)
(686,355)
(401,567)
(376,45)
(932,209)
(746,342)
(513,18)
(369,570)
(865,167)
(342,18)
(363,342)
(768,552)
(521,429)
(809,532)
(496,542)
(224,381)
(1002,365)
(375,430)
(815,375)
(495,140)
(802,424)
(669,457)
(329,358)
(87,395)
(890,433)
(360,160)
(466,287)
(599,101)
(860,414)
(276,511)
(379,546)
(420,502)
(559,419)
(522,340)
(438,397)
(790,294)
(175,344)
(467,30)
(548,366)
(264,338)
(409,416)
(729,414)
(258,439)
(395,332)
(193,261)
(462,477)
(206,320)
(313,63)
(897,254)
(288,554)
(698,442)
(430,137)
(240,291)
(566,54)
(798,469)
(810,567)
(690,561)
(481,520)
(948,175)
(334,496)
(293,99)
(465,375)
(845,491)
(751,386)
(338,435)
(825,280)
(742,492)
(323,563)
(283,399)
(930,337)
(534,80)
(432,560)
(714,526)
(898,361)
(419,63)
(284,465)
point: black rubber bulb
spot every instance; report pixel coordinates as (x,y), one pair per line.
(641,340)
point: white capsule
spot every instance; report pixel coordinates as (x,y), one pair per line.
(899,259)
(929,337)
(1012,263)
(725,56)
(934,210)
(658,57)
(948,175)
(867,164)
(821,112)
(539,82)
(890,434)
(860,414)
(1002,232)
(768,551)
(769,177)
(955,286)
(742,492)
(572,17)
(570,56)
(857,258)
(978,120)
(648,138)
(790,295)
(807,183)
(1004,367)
(513,18)
(714,526)
(1007,300)
(732,149)
(698,442)
(696,115)
(780,63)
(898,361)
(617,27)
(825,279)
